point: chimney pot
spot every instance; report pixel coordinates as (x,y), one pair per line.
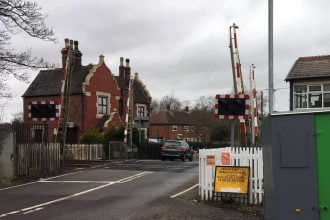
(121,61)
(71,43)
(101,60)
(66,42)
(75,45)
(127,62)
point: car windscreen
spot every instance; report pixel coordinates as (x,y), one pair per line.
(172,144)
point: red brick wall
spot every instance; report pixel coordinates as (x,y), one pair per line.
(83,108)
(51,124)
(101,81)
(166,132)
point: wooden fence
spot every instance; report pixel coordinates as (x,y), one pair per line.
(35,160)
(84,152)
(251,157)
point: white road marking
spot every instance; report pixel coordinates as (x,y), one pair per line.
(72,181)
(123,180)
(184,191)
(62,175)
(25,184)
(34,210)
(157,166)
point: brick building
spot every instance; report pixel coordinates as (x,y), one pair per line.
(97,100)
(173,125)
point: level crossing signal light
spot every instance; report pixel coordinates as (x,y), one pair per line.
(232,106)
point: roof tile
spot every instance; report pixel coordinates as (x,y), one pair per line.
(310,67)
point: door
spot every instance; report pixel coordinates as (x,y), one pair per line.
(322,125)
(292,187)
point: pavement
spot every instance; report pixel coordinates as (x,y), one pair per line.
(132,189)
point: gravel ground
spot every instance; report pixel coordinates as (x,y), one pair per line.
(188,206)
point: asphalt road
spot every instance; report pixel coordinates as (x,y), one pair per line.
(131,189)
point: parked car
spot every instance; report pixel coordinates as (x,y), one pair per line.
(176,149)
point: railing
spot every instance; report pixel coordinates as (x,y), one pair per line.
(34,160)
(251,157)
(84,152)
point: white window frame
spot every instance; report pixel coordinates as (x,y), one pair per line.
(308,93)
(174,128)
(186,128)
(179,136)
(102,94)
(145,109)
(140,113)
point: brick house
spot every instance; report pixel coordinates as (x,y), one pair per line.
(173,125)
(97,100)
(309,79)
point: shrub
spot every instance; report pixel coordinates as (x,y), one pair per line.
(92,136)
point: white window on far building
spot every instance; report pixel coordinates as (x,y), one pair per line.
(174,127)
(186,128)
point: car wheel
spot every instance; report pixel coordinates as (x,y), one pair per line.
(191,158)
(162,158)
(183,158)
(171,159)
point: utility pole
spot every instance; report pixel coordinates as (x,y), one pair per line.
(132,114)
(270,57)
(262,104)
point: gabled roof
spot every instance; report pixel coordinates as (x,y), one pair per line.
(310,67)
(140,93)
(172,118)
(48,82)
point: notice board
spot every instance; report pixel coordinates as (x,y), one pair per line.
(230,179)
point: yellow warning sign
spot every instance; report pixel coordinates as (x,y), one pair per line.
(231,179)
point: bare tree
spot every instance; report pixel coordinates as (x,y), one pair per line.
(170,101)
(20,16)
(154,106)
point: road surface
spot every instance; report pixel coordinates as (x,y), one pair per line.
(132,189)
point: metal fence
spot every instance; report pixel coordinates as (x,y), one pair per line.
(84,152)
(149,151)
(36,160)
(31,132)
(251,157)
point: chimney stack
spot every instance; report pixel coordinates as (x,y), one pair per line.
(64,52)
(77,54)
(76,57)
(127,63)
(127,74)
(121,80)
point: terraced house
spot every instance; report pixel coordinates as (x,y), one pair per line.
(181,125)
(98,98)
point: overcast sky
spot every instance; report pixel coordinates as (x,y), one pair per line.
(181,47)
